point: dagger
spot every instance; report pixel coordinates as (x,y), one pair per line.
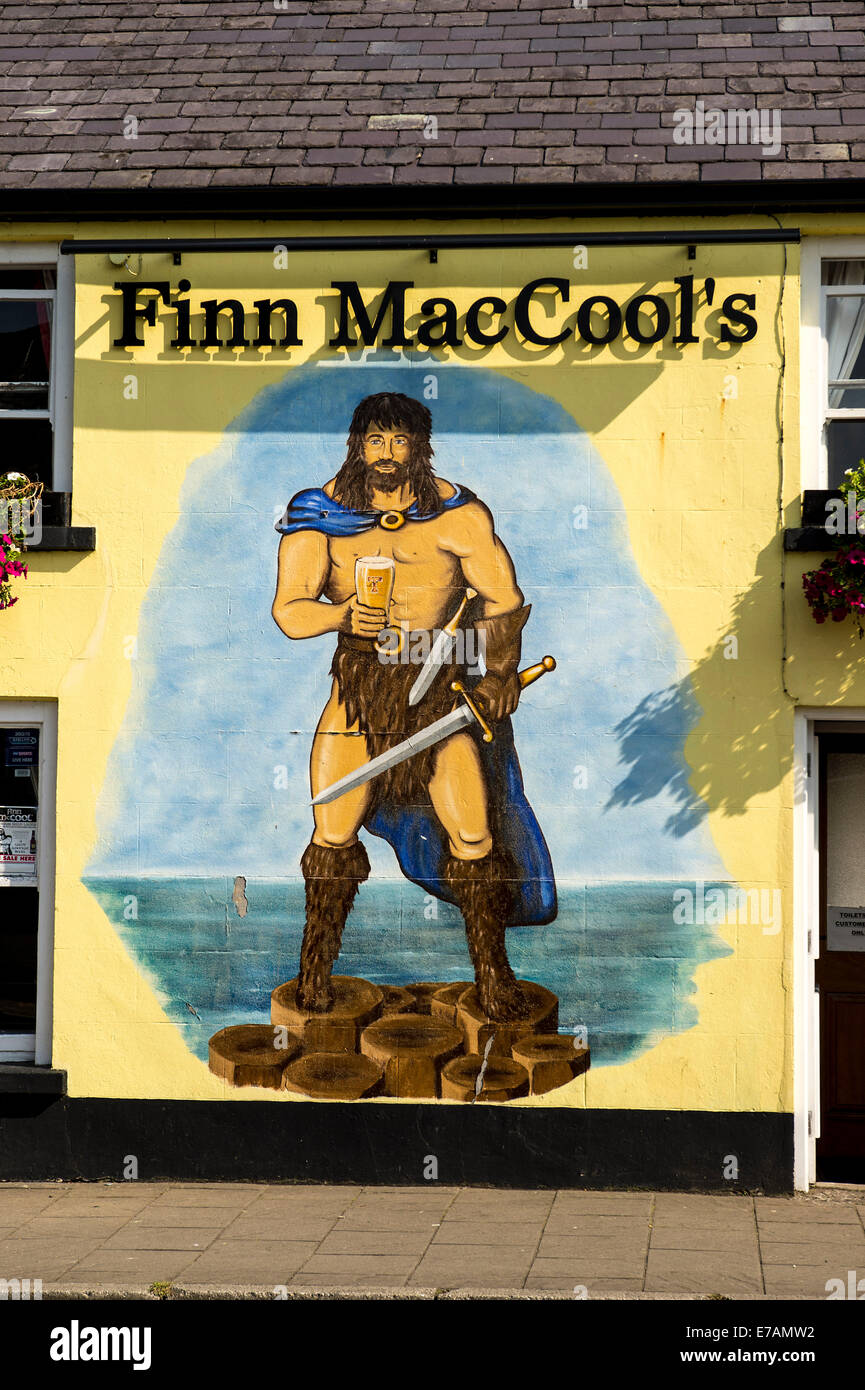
(439,652)
(462,717)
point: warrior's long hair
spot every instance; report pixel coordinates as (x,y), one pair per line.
(391,411)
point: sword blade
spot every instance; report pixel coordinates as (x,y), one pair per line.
(438,654)
(434,733)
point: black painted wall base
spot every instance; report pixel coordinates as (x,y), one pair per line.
(474,1145)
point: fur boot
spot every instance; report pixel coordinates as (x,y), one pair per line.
(332,878)
(484,898)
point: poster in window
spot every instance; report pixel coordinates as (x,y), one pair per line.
(22,748)
(845,928)
(18,846)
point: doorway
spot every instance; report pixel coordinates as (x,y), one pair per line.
(839,970)
(27,781)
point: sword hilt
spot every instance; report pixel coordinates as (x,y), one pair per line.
(525,677)
(451,627)
(461,690)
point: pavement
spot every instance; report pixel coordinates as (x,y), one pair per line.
(239,1240)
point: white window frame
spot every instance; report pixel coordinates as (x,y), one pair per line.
(42,714)
(13,255)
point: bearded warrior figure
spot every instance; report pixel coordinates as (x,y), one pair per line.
(455,813)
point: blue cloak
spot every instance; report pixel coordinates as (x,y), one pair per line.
(414,832)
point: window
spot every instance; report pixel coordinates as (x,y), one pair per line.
(843,403)
(35,365)
(27,780)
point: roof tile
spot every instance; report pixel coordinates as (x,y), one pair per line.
(238,91)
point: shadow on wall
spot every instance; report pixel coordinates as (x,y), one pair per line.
(728,770)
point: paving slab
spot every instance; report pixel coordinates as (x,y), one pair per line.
(415,1202)
(593,1224)
(162,1238)
(344,1242)
(464,1208)
(702,1202)
(593,1283)
(352,1269)
(230,1196)
(808,1280)
(250,1228)
(821,1232)
(44,1250)
(806,1252)
(562,1246)
(22,1205)
(56,1226)
(167,1217)
(603,1202)
(240,1262)
(404,1220)
(705,1238)
(284,1207)
(127,1267)
(456,1231)
(83,1206)
(488,1265)
(834,1213)
(703,1272)
(587,1267)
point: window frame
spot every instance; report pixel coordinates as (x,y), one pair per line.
(59,412)
(36,1046)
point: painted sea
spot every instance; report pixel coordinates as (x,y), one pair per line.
(621,967)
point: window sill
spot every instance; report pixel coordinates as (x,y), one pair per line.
(65,538)
(812,534)
(801,538)
(20,1079)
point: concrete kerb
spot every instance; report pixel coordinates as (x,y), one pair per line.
(180,1292)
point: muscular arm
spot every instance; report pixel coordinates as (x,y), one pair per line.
(485,562)
(303,568)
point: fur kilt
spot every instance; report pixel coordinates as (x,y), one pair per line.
(375,695)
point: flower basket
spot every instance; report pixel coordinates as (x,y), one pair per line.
(19,504)
(836,590)
(21,518)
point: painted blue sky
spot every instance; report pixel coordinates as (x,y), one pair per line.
(221,701)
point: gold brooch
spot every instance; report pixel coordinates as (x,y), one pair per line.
(391,521)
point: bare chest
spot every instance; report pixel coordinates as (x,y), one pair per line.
(418,551)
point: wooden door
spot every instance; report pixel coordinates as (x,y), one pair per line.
(840,968)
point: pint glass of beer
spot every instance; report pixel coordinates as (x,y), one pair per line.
(374,580)
(374,577)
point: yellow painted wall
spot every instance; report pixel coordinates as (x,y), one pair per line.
(691,438)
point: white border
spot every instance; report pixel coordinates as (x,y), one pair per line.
(806,918)
(26,1047)
(812,350)
(62,347)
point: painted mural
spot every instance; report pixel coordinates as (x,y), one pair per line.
(411,827)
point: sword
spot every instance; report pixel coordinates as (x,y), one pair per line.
(439,653)
(462,717)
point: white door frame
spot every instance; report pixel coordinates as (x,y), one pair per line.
(806,933)
(41,714)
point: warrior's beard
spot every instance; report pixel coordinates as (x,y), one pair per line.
(390,481)
(357,480)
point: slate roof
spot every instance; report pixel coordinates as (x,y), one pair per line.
(128,94)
